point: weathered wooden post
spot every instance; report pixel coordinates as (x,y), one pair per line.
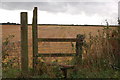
(35,38)
(24,43)
(78,56)
(79,44)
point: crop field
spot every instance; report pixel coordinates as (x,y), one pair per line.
(50,31)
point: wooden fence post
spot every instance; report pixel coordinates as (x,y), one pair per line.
(35,38)
(79,44)
(24,43)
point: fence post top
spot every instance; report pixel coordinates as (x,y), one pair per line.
(80,36)
(35,7)
(23,12)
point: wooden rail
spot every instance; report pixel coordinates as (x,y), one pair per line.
(55,54)
(57,39)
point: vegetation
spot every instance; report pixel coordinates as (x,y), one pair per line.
(10,63)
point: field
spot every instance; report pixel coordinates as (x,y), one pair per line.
(52,31)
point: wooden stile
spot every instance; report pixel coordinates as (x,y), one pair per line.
(24,45)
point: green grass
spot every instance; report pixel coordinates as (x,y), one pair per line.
(11,73)
(89,73)
(82,73)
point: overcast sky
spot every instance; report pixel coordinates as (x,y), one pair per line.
(94,12)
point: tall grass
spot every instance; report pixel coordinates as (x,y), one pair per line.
(101,55)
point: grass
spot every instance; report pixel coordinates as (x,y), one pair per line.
(11,73)
(94,73)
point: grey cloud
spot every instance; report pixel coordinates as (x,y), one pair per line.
(43,6)
(89,8)
(59,0)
